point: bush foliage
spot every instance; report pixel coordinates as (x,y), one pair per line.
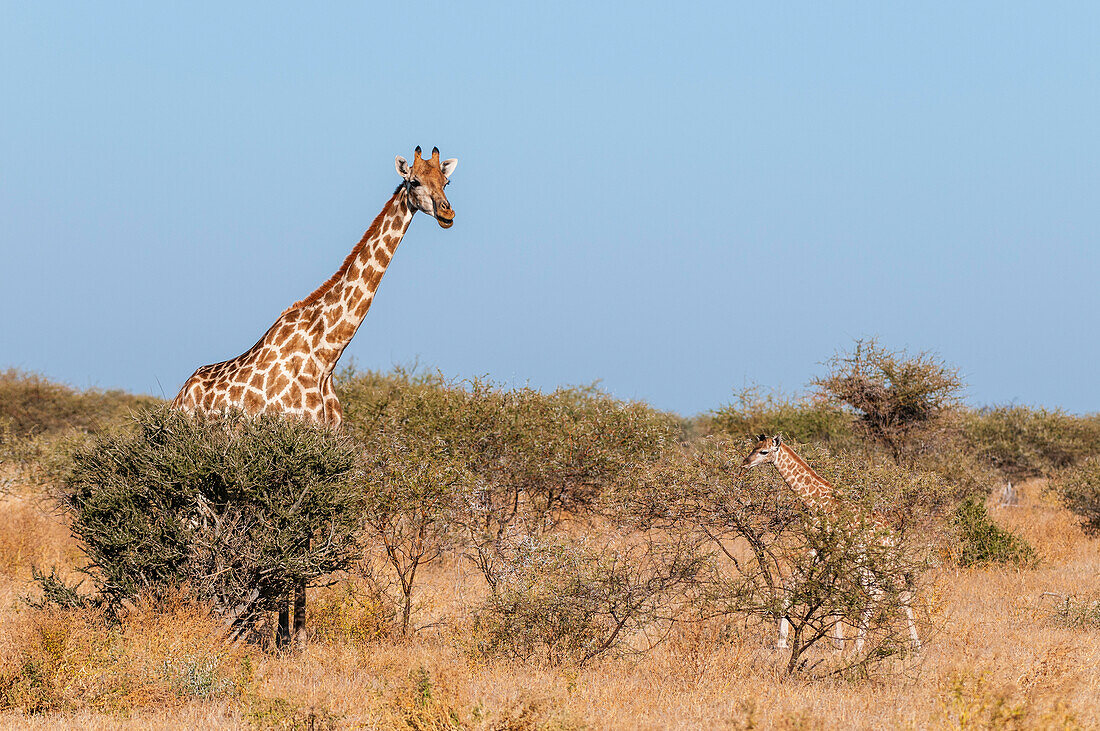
(1024,442)
(31,405)
(594,522)
(238,509)
(1079,489)
(491,460)
(773,556)
(980,541)
(804,419)
(560,601)
(899,400)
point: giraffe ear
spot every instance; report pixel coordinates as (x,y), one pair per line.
(761,437)
(448,166)
(776,440)
(402,166)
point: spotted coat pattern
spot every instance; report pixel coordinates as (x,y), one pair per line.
(289,370)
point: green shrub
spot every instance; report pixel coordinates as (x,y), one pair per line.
(31,405)
(238,509)
(1079,490)
(1026,442)
(527,458)
(412,489)
(803,419)
(980,541)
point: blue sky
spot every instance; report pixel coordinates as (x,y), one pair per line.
(676,199)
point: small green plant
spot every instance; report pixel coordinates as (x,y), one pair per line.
(981,541)
(281,714)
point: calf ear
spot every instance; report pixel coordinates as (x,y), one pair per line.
(402,166)
(776,440)
(448,166)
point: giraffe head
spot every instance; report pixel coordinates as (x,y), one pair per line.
(425,181)
(764,452)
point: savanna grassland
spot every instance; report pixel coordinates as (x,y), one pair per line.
(525,560)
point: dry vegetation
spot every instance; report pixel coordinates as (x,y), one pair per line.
(508,603)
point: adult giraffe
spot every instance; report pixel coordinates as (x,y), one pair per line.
(289,369)
(817,493)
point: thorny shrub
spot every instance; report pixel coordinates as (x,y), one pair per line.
(1079,490)
(525,459)
(411,491)
(899,400)
(31,405)
(566,602)
(1024,442)
(980,541)
(774,557)
(238,509)
(806,419)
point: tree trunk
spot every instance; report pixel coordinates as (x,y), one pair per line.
(300,615)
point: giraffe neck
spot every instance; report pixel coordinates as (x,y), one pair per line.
(337,308)
(814,490)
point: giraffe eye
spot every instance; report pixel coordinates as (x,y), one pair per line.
(414,183)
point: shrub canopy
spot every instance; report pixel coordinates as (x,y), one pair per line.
(239,509)
(898,399)
(1026,442)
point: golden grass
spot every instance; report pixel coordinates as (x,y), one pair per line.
(997,658)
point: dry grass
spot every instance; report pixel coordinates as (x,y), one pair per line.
(999,657)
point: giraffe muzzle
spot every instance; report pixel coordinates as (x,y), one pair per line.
(445,217)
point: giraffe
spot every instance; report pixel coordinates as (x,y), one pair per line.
(817,494)
(289,369)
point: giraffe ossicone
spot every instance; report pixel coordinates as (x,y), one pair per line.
(289,369)
(818,494)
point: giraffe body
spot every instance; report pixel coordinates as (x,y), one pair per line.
(817,493)
(289,370)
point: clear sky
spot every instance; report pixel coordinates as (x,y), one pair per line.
(677,199)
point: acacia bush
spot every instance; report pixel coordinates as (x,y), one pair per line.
(562,601)
(773,557)
(1026,442)
(412,491)
(236,509)
(900,401)
(528,459)
(805,419)
(31,405)
(1079,490)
